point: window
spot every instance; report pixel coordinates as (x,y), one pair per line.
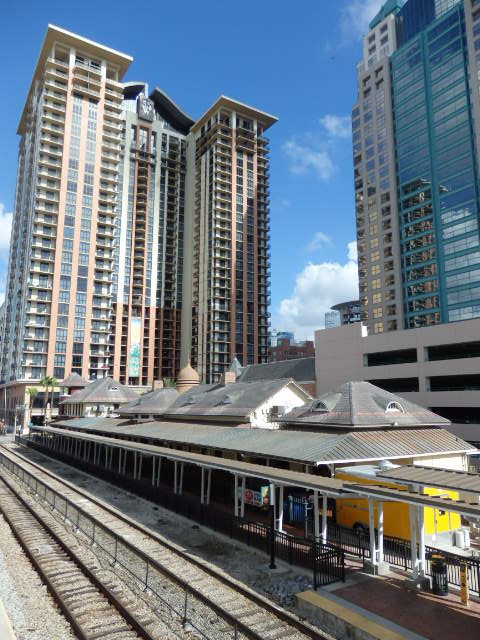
(378,327)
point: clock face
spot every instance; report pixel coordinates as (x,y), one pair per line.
(145,109)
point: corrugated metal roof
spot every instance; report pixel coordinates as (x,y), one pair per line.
(434,477)
(238,399)
(152,403)
(308,448)
(299,369)
(102,391)
(364,406)
(286,477)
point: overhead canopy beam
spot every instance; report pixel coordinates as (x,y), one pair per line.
(273,475)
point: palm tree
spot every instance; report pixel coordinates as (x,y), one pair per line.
(45,381)
(31,392)
(53,384)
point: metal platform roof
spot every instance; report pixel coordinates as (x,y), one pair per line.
(330,486)
(272,474)
(434,477)
(306,447)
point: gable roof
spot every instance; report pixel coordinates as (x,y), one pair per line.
(236,400)
(299,369)
(73,380)
(152,403)
(362,405)
(102,391)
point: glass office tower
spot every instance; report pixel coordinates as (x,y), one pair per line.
(432,196)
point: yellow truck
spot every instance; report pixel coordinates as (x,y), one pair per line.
(353,512)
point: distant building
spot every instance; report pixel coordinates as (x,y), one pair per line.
(436,367)
(349,312)
(276,335)
(332,319)
(286,349)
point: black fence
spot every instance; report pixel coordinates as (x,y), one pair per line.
(397,552)
(326,561)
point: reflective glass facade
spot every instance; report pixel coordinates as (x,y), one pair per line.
(436,174)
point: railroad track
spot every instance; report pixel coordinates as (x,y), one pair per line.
(94,611)
(237,610)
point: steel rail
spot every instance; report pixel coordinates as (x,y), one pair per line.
(259,600)
(114,601)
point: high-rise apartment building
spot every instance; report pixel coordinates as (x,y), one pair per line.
(148,273)
(140,236)
(58,296)
(227,239)
(415,145)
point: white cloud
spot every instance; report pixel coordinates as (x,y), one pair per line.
(318,241)
(337,126)
(353,251)
(5,227)
(317,288)
(355,17)
(305,158)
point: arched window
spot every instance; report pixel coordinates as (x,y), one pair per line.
(394,407)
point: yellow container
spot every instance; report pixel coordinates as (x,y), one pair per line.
(353,512)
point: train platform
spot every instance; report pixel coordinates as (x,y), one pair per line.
(6,629)
(419,612)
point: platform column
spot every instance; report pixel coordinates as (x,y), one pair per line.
(371,527)
(159,468)
(180,484)
(209,484)
(235,497)
(242,502)
(380,531)
(316,530)
(280,510)
(324,518)
(413,541)
(202,486)
(421,540)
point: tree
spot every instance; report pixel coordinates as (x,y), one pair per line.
(168,383)
(53,383)
(32,392)
(46,381)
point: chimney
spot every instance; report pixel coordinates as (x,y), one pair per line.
(228,377)
(157,384)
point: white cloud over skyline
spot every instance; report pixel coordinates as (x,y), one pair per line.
(5,232)
(305,158)
(337,126)
(5,227)
(318,241)
(317,288)
(355,17)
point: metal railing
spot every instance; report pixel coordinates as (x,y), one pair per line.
(183,601)
(327,562)
(397,552)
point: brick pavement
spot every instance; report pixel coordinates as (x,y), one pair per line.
(424,613)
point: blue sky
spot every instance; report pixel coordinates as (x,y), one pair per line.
(296,61)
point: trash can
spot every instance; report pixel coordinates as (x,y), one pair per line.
(439,575)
